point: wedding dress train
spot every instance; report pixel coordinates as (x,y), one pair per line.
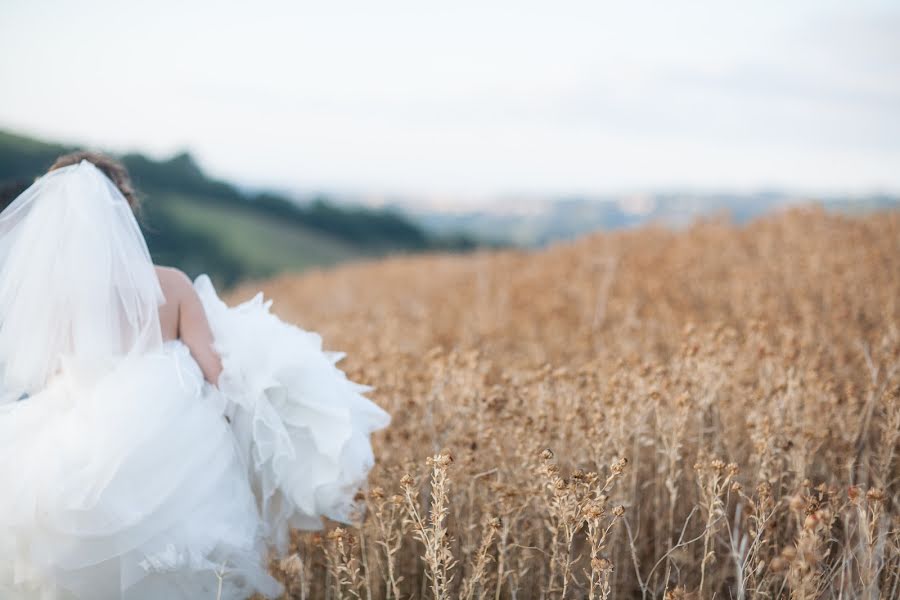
(125,475)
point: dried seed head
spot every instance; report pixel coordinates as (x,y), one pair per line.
(407,481)
(444,459)
(292,565)
(376,493)
(810,522)
(779,565)
(678,593)
(594,511)
(601,563)
(875,495)
(619,510)
(547,454)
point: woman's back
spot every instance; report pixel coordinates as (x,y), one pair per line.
(182,317)
(169,281)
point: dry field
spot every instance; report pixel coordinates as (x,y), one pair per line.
(644,414)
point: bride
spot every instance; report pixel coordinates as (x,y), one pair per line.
(154,443)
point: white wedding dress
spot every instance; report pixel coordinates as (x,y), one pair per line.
(124,474)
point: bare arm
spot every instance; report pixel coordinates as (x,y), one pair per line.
(194,331)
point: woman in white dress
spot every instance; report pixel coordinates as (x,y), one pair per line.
(154,443)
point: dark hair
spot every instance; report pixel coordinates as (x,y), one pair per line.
(111,167)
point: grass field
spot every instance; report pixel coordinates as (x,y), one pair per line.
(644,414)
(263,243)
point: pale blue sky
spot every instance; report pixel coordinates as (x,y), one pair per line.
(471,98)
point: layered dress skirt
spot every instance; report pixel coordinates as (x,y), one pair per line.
(139,480)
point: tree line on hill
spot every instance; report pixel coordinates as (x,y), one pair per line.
(370,231)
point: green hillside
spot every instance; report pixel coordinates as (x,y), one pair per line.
(202,225)
(263,242)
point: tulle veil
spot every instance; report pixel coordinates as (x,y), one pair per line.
(124,476)
(77,285)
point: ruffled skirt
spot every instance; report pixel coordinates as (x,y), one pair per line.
(133,485)
(302,427)
(128,486)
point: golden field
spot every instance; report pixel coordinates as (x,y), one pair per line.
(644,414)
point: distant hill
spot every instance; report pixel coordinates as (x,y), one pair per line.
(200,224)
(541,221)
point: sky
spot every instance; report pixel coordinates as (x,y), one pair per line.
(471,99)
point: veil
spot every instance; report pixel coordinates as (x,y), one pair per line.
(77,285)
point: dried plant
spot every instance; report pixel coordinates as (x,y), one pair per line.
(430,527)
(766,355)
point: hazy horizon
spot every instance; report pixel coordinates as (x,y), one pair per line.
(472,100)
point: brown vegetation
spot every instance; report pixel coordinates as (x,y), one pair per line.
(657,414)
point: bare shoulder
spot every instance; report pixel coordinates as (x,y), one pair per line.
(175,284)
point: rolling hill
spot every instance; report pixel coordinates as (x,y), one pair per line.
(200,224)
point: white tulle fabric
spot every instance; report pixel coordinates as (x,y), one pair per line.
(302,427)
(122,478)
(128,487)
(76,279)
